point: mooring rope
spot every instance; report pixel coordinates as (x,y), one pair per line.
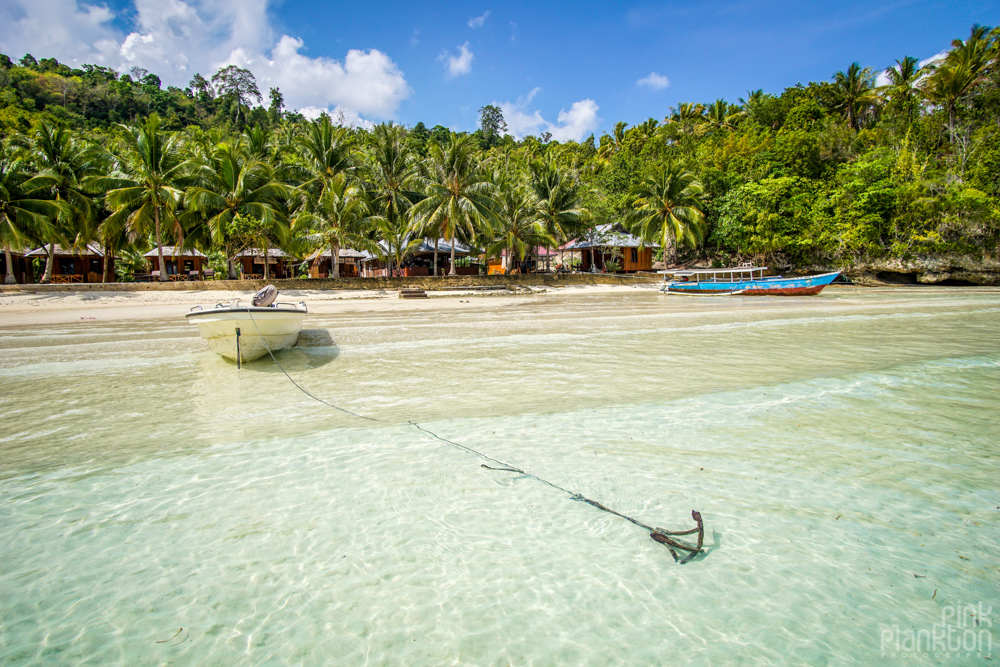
(664,537)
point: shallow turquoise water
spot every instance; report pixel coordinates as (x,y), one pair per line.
(836,446)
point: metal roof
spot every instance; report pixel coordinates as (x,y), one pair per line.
(91,249)
(348,253)
(610,237)
(255,252)
(169,251)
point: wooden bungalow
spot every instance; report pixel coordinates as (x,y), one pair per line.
(279,263)
(85,265)
(421,261)
(611,243)
(348,263)
(539,261)
(187,264)
(20,267)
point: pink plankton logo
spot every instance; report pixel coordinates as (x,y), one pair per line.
(965,631)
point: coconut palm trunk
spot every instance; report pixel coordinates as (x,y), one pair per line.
(50,260)
(9,279)
(334,261)
(107,274)
(159,245)
(452,272)
(434,269)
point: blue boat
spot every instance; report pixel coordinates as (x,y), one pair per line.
(742,281)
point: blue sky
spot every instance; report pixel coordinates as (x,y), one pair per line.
(571,69)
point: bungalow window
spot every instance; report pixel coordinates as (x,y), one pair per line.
(67,267)
(635,255)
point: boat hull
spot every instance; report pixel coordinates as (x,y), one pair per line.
(804,286)
(269,328)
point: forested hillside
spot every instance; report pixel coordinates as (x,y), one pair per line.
(853,171)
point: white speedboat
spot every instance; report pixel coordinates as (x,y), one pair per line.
(244,332)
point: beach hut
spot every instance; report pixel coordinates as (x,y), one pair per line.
(537,261)
(421,261)
(20,267)
(84,265)
(611,244)
(251,261)
(181,264)
(348,263)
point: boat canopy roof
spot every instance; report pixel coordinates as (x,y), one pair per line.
(709,272)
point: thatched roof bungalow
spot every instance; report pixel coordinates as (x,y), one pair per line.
(20,268)
(251,261)
(71,265)
(181,264)
(348,263)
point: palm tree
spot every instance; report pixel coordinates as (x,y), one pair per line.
(750,106)
(457,194)
(668,208)
(559,206)
(69,162)
(721,115)
(393,176)
(857,91)
(340,218)
(397,242)
(612,143)
(23,217)
(903,78)
(946,86)
(965,66)
(327,150)
(518,230)
(231,188)
(146,185)
(902,87)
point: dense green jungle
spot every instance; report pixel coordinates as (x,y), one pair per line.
(890,172)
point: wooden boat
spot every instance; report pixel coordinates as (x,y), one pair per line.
(244,332)
(742,281)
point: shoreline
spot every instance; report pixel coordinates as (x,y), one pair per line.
(25,308)
(64,306)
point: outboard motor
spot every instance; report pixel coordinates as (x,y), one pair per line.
(265,297)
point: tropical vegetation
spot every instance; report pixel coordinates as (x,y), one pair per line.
(872,164)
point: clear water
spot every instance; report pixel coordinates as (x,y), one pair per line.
(157,507)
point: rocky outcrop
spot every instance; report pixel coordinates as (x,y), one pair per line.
(924,270)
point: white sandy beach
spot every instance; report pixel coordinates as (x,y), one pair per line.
(28,308)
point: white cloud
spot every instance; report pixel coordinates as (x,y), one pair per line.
(368,82)
(460,64)
(338,115)
(571,124)
(882,79)
(653,81)
(177,38)
(937,57)
(479,21)
(65,29)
